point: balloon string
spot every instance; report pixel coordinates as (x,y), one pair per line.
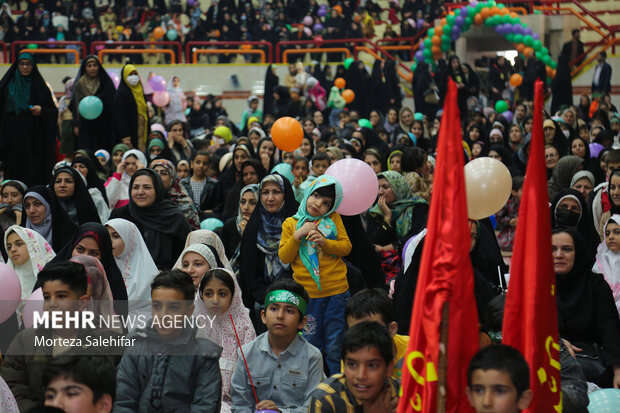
(242,355)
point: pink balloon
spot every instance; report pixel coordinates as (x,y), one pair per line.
(161,99)
(308,20)
(33,304)
(307,31)
(115,79)
(360,185)
(10,293)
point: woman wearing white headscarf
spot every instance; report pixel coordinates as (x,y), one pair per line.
(608,256)
(196,260)
(117,187)
(132,258)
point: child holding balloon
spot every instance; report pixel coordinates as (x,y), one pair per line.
(314,241)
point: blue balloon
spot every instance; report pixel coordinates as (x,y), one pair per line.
(459,21)
(527,30)
(172,35)
(317,27)
(517,29)
(211,224)
(535,36)
(90,107)
(604,401)
(419,56)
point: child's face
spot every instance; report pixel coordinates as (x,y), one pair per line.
(59,296)
(492,391)
(195,265)
(254,104)
(301,170)
(17,249)
(395,163)
(287,157)
(517,194)
(72,397)
(200,165)
(182,171)
(217,296)
(366,372)
(475,150)
(319,167)
(318,205)
(168,305)
(282,320)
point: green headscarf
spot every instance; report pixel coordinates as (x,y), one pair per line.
(327,227)
(120,147)
(19,88)
(156,142)
(402,208)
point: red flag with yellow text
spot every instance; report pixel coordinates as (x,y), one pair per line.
(445,276)
(530,316)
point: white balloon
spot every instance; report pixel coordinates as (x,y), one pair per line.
(488,184)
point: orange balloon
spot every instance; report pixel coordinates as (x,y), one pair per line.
(348,95)
(528,51)
(158,32)
(338,9)
(494,10)
(553,73)
(485,12)
(513,14)
(516,80)
(443,22)
(287,134)
(340,83)
(549,71)
(438,30)
(436,40)
(436,50)
(504,11)
(520,47)
(478,19)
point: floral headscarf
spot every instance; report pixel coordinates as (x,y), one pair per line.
(178,194)
(325,225)
(402,208)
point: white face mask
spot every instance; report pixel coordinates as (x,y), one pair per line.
(133,80)
(566,132)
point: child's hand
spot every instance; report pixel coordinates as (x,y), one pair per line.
(304,230)
(513,222)
(316,237)
(267,405)
(297,182)
(121,167)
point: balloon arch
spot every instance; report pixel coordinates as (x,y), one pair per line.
(490,14)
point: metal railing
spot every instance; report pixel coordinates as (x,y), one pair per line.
(219,45)
(168,52)
(160,45)
(49,45)
(196,52)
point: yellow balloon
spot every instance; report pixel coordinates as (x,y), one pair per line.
(488,184)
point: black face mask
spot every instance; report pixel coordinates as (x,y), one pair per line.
(566,218)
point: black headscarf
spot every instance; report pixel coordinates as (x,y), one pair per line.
(572,286)
(584,224)
(81,201)
(101,171)
(272,160)
(27,142)
(101,236)
(251,283)
(92,180)
(587,158)
(62,227)
(232,199)
(97,133)
(271,81)
(378,87)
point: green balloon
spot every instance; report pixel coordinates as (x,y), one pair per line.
(445,47)
(506,18)
(468,21)
(516,20)
(539,55)
(445,38)
(457,12)
(537,12)
(496,20)
(487,22)
(528,40)
(471,12)
(537,45)
(518,38)
(491,3)
(431,32)
(347,62)
(414,66)
(553,64)
(465,27)
(450,19)
(501,106)
(547,60)
(479,7)
(427,53)
(447,29)
(510,37)
(364,123)
(544,51)
(32,46)
(548,81)
(428,43)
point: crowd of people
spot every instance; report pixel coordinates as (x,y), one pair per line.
(144,205)
(222,20)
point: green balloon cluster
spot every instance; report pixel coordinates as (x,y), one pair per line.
(347,62)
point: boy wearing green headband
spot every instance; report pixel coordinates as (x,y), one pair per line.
(314,241)
(284,367)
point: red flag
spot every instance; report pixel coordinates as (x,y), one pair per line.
(445,276)
(530,315)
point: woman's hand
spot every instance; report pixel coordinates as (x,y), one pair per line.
(616,377)
(120,168)
(304,230)
(35,110)
(571,349)
(242,225)
(316,237)
(18,216)
(385,209)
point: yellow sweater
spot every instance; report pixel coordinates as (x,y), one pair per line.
(333,269)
